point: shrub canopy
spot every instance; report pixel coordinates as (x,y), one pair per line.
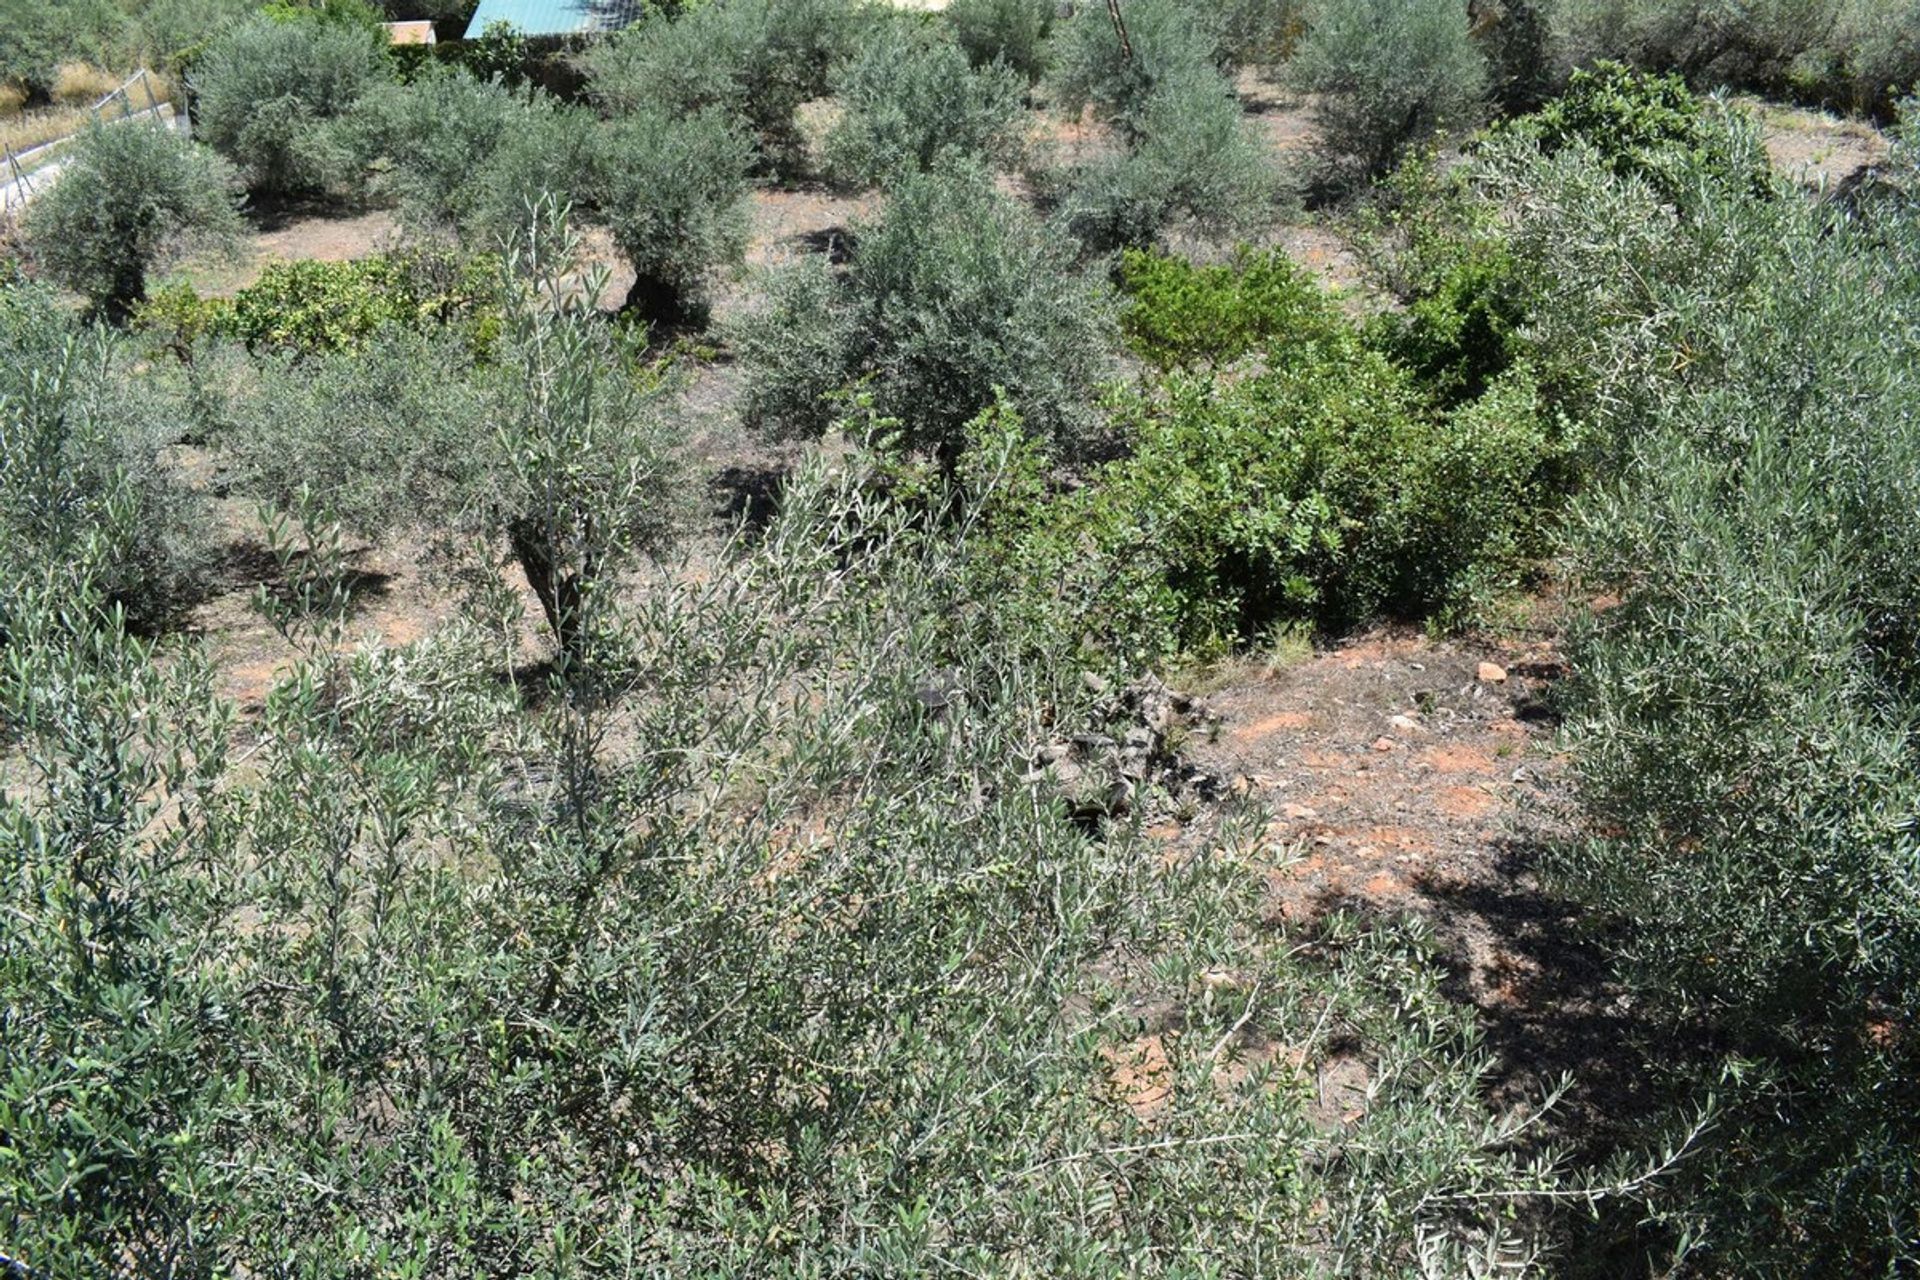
(267,92)
(955,298)
(130,196)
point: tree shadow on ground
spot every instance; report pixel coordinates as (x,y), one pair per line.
(747,497)
(1552,1009)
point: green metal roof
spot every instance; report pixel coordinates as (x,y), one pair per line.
(555,17)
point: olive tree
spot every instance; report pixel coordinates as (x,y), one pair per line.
(84,494)
(1010,33)
(1388,72)
(555,450)
(910,101)
(758,60)
(1191,159)
(673,193)
(1164,40)
(267,93)
(956,299)
(129,196)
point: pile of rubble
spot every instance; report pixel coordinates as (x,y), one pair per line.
(1106,775)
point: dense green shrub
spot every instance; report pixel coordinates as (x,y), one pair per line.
(1192,161)
(1436,243)
(756,59)
(958,296)
(1650,126)
(673,191)
(909,102)
(1388,73)
(1179,315)
(267,93)
(306,307)
(130,196)
(1322,489)
(1012,33)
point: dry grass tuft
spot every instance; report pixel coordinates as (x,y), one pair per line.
(76,84)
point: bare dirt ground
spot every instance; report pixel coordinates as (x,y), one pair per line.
(1407,776)
(1824,151)
(291,237)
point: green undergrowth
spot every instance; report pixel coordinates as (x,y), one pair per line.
(1285,468)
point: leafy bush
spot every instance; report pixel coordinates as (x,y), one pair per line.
(130,195)
(1437,243)
(310,306)
(1645,125)
(1388,73)
(1321,490)
(1284,474)
(181,322)
(1180,315)
(956,298)
(267,92)
(673,192)
(1192,160)
(1012,33)
(911,102)
(756,59)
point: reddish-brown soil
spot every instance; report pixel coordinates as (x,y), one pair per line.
(1398,775)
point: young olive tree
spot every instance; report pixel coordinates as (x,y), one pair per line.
(673,193)
(758,60)
(84,495)
(581,475)
(129,196)
(956,299)
(267,95)
(435,135)
(910,102)
(1010,33)
(1164,39)
(1192,159)
(1388,72)
(554,450)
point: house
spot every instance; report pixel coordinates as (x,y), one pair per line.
(556,17)
(409,32)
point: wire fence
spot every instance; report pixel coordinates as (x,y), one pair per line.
(23,167)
